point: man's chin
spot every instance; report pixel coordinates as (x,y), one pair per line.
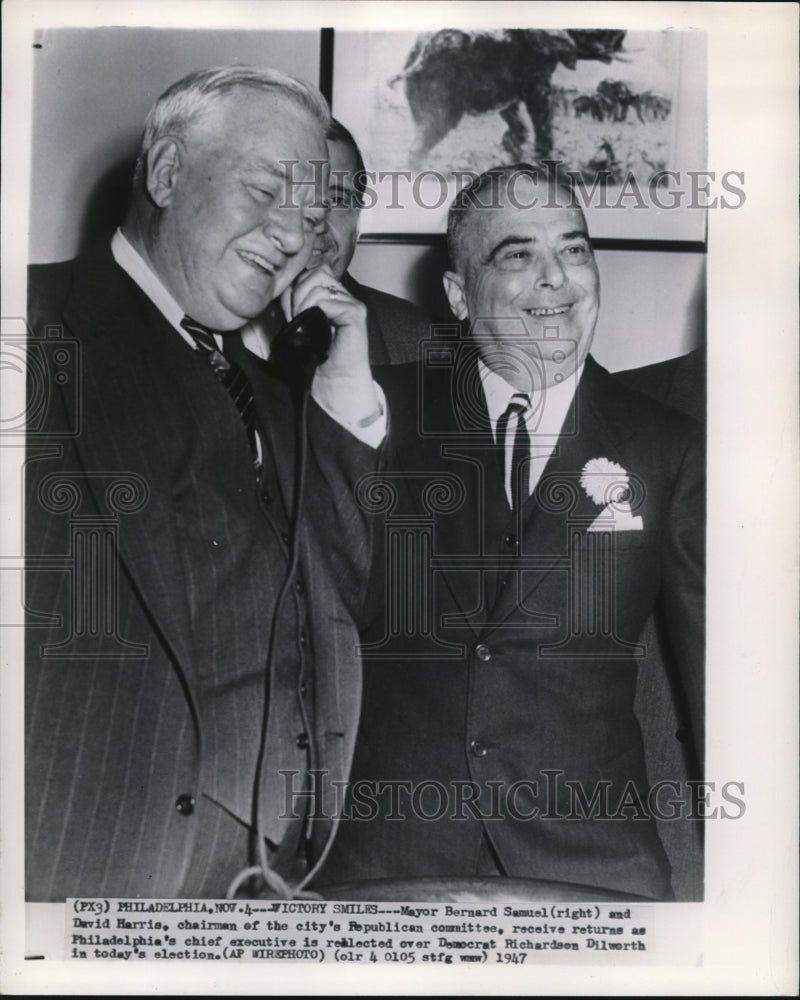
(236,314)
(556,350)
(544,351)
(547,362)
(338,265)
(332,263)
(252,302)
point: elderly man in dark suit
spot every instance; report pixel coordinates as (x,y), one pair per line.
(191,648)
(537,512)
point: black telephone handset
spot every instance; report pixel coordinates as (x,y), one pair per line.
(300,346)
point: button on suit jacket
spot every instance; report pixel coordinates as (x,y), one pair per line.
(154,560)
(501,662)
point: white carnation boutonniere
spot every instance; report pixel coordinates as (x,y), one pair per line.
(608,485)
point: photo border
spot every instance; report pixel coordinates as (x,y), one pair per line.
(748,924)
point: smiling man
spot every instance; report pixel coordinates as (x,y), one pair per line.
(174,666)
(536,514)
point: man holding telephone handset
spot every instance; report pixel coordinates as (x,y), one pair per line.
(180,671)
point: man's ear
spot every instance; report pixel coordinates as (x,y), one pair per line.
(163,165)
(454,290)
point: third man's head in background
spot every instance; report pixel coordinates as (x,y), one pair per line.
(336,246)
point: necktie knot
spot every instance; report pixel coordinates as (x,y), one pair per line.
(231,376)
(203,336)
(518,404)
(205,339)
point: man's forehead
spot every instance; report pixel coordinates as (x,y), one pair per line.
(487,223)
(343,163)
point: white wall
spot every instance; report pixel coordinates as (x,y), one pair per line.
(92,90)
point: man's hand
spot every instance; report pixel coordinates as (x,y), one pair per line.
(343,385)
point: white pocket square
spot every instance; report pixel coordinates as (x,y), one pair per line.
(616,517)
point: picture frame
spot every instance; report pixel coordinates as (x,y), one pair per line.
(627,113)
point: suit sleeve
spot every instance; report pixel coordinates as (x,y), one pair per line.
(684,579)
(337,463)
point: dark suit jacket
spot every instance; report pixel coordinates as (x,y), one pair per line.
(678,382)
(504,649)
(154,563)
(394,326)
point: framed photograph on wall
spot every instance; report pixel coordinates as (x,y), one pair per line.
(624,111)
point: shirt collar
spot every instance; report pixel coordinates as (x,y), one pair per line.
(137,268)
(554,402)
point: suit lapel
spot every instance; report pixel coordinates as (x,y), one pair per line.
(452,445)
(379,350)
(467,537)
(124,432)
(560,505)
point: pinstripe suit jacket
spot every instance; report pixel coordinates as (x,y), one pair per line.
(154,561)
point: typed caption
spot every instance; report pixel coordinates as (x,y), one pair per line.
(362,933)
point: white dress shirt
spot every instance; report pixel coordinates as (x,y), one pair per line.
(132,262)
(544,418)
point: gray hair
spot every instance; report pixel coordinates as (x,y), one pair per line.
(190,98)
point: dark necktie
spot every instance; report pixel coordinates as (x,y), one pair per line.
(230,375)
(513,438)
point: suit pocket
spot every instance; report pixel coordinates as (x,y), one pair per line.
(213,530)
(618,541)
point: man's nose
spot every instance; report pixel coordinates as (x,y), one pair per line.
(550,272)
(286,227)
(323,241)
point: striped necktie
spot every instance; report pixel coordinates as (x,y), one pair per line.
(231,376)
(513,438)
